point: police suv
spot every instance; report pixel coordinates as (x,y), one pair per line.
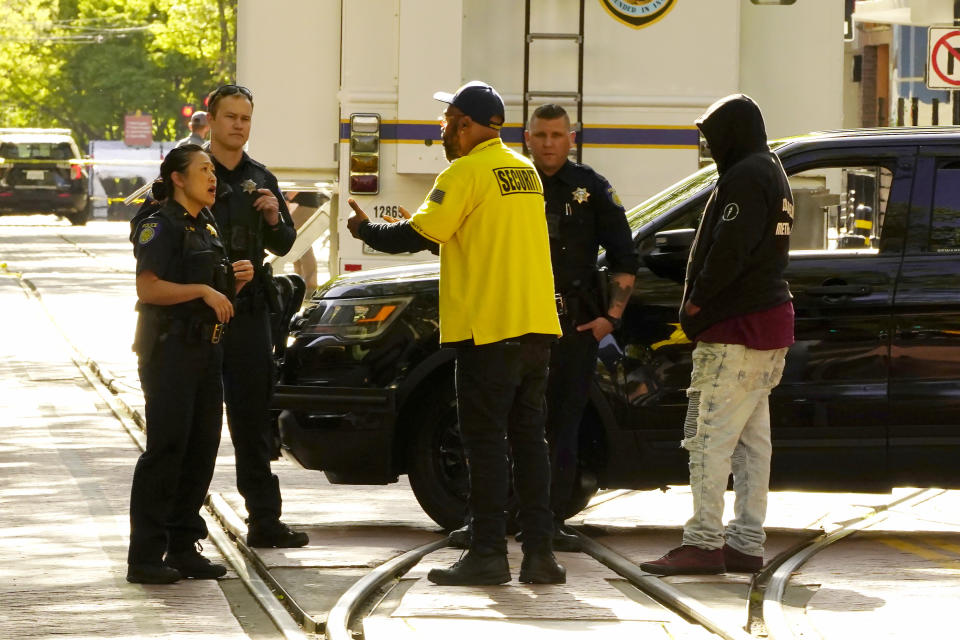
(41,171)
(869,398)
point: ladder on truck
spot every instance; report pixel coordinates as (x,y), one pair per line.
(529,95)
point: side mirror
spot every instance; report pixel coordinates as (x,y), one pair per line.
(669,256)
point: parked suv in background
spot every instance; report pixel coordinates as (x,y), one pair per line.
(41,172)
(869,398)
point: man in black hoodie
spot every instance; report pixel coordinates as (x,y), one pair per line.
(737,309)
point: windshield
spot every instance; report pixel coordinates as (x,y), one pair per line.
(36,150)
(654,206)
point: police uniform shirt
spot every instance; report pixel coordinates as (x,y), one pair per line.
(486,212)
(160,248)
(240,222)
(583,214)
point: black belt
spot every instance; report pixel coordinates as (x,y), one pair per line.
(211,332)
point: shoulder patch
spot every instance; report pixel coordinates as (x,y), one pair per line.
(731,211)
(614,197)
(437,196)
(147,233)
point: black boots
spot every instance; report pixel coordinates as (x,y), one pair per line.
(461,538)
(541,567)
(190,564)
(152,574)
(473,569)
(274,533)
(538,567)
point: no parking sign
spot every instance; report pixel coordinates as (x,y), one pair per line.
(943,58)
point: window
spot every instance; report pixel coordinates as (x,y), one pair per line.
(945,217)
(839,209)
(37,150)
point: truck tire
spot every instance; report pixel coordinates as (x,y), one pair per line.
(436,464)
(79,218)
(437,467)
(583,491)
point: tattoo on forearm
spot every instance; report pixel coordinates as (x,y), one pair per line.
(619,294)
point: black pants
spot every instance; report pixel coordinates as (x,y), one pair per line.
(500,405)
(184,409)
(247,387)
(573,361)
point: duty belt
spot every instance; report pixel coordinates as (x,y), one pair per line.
(562,306)
(211,332)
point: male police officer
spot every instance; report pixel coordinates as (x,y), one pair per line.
(252,217)
(497,309)
(583,214)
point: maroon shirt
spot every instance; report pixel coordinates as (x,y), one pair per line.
(761,330)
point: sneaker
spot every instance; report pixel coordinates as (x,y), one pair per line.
(739,562)
(274,533)
(460,538)
(152,574)
(191,564)
(541,567)
(687,559)
(473,569)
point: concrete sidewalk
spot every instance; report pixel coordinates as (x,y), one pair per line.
(67,465)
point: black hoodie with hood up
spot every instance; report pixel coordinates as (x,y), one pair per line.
(741,249)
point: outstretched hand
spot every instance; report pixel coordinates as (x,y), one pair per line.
(403,212)
(358,218)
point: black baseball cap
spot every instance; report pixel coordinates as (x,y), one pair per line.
(478,100)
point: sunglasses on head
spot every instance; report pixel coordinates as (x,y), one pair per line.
(229,90)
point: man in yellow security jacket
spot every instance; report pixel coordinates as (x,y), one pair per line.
(497,308)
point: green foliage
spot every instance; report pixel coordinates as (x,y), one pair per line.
(84,64)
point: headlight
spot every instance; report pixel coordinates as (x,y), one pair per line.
(355,319)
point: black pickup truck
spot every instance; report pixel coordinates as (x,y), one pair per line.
(870,398)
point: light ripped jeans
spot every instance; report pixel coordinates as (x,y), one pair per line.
(728,427)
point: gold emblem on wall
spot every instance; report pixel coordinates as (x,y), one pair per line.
(638,13)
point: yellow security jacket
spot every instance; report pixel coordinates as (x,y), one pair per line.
(486,211)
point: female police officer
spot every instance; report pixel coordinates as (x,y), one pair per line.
(184,288)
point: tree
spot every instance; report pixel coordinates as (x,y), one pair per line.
(84,64)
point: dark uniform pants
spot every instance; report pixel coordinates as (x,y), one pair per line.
(500,404)
(573,361)
(247,387)
(184,415)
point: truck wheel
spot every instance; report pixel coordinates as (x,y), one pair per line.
(79,218)
(583,491)
(436,465)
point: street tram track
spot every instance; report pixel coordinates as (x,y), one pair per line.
(768,586)
(763,607)
(764,604)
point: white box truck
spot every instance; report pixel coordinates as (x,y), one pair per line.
(334,76)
